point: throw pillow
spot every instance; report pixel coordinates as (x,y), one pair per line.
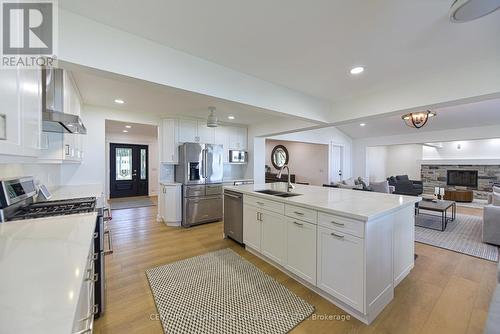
(349,182)
(496,190)
(380,187)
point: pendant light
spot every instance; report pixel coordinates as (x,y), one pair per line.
(212,121)
(418,119)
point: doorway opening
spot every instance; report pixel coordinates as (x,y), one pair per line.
(336,162)
(132,163)
(128,170)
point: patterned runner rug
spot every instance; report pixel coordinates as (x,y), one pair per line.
(221,292)
(462,235)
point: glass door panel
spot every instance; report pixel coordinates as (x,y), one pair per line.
(123,164)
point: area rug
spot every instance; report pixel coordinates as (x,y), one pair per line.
(221,292)
(463,235)
(130,202)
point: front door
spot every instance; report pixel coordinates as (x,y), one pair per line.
(128,170)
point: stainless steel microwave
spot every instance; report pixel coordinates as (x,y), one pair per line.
(238,157)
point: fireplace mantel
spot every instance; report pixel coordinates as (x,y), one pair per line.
(459,162)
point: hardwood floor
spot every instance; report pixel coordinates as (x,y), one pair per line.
(446,292)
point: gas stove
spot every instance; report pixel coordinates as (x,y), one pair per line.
(54,208)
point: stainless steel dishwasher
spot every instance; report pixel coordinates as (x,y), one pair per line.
(233,215)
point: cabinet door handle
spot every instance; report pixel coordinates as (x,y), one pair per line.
(94,278)
(338,224)
(260,203)
(257,216)
(337,235)
(298,213)
(298,224)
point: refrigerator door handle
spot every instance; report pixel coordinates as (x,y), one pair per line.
(205,158)
(203,162)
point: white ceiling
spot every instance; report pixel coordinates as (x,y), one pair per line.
(138,130)
(455,117)
(308,45)
(100,88)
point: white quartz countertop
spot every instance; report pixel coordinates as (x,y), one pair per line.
(361,205)
(42,268)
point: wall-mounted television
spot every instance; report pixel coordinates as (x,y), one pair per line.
(462,178)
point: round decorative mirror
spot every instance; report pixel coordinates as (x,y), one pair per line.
(279,156)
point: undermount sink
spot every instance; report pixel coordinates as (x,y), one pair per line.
(277,193)
(287,195)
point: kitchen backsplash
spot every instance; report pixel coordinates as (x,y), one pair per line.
(167,173)
(48,174)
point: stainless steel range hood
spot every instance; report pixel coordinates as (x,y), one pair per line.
(53,117)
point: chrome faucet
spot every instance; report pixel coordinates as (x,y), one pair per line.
(290,186)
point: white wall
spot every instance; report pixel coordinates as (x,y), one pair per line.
(309,162)
(376,163)
(465,149)
(153,156)
(404,159)
(92,169)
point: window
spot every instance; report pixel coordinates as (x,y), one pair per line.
(123,164)
(143,163)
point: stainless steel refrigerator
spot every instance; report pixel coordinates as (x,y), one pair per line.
(200,170)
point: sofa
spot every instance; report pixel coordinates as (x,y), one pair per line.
(493,320)
(404,186)
(491,219)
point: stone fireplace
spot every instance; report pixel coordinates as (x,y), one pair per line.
(435,176)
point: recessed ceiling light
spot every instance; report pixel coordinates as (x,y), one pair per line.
(362,124)
(128,126)
(230,117)
(119,101)
(125,131)
(357,70)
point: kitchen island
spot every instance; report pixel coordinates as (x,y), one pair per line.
(351,247)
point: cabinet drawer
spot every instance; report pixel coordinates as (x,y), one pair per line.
(264,204)
(342,224)
(301,213)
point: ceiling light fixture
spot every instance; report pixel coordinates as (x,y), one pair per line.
(357,70)
(119,101)
(468,10)
(125,131)
(128,126)
(418,119)
(230,117)
(212,121)
(362,124)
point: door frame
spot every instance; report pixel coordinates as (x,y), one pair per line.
(109,161)
(330,162)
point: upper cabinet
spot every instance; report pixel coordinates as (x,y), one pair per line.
(175,132)
(169,141)
(192,131)
(237,138)
(20,112)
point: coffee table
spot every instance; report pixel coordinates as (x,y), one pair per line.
(441,206)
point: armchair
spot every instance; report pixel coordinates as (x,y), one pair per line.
(491,224)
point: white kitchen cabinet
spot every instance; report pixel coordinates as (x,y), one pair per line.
(171,203)
(251,227)
(341,266)
(85,309)
(273,238)
(170,141)
(222,138)
(20,112)
(188,131)
(237,138)
(193,131)
(301,260)
(206,135)
(31,107)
